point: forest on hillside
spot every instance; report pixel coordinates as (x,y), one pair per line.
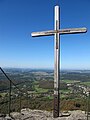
(37,89)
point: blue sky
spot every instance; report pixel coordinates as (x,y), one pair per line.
(18,18)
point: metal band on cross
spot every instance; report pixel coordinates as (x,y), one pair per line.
(57,32)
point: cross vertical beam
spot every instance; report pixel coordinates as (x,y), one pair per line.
(56,65)
(57,32)
(9,105)
(88,105)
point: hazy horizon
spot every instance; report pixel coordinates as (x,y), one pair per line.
(43,68)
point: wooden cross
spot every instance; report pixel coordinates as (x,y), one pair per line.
(57,32)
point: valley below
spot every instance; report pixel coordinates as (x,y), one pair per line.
(33,90)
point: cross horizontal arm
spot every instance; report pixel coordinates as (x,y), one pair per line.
(61,32)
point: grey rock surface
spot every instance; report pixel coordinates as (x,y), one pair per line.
(28,114)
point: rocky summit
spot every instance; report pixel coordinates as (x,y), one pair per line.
(28,114)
